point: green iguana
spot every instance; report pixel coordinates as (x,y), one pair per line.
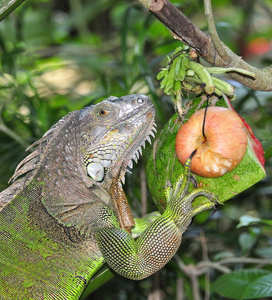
(58,223)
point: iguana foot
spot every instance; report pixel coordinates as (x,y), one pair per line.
(178,195)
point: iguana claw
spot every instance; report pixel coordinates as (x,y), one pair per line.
(161,238)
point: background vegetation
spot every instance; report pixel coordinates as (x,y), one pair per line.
(58,56)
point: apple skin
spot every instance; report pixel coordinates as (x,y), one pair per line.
(222,149)
(253,142)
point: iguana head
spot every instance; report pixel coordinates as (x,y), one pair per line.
(81,160)
(112,135)
(98,142)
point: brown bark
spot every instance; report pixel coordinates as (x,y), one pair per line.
(209,46)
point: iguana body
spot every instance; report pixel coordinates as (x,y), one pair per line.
(58,224)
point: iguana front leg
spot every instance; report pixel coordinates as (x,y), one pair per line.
(160,240)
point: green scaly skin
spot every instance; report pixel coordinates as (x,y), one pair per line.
(58,225)
(160,240)
(50,213)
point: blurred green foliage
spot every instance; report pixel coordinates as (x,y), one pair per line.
(58,56)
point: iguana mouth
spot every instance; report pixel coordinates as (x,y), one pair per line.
(135,149)
(121,143)
(124,165)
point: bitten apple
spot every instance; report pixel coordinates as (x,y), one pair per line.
(223,146)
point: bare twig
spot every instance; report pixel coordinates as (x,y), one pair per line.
(156,292)
(179,293)
(194,271)
(195,286)
(182,28)
(190,271)
(219,46)
(205,258)
(246,260)
(202,267)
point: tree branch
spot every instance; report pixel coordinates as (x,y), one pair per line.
(213,32)
(245,260)
(210,49)
(7,6)
(204,266)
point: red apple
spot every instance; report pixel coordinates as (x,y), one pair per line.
(223,146)
(253,142)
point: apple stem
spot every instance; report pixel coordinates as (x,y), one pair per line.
(204,119)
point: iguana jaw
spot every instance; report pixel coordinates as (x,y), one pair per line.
(144,127)
(119,137)
(134,151)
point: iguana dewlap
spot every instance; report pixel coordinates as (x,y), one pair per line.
(58,222)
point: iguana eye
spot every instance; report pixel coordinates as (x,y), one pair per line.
(103,112)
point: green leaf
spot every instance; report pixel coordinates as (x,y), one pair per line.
(246,241)
(248,220)
(171,73)
(163,82)
(179,72)
(162,73)
(259,288)
(267,146)
(222,255)
(265,252)
(268,153)
(241,284)
(185,63)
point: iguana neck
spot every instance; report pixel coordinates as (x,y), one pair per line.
(52,213)
(63,176)
(36,222)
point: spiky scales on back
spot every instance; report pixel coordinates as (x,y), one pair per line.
(62,224)
(28,166)
(51,210)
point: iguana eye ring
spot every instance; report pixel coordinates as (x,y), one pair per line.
(140,100)
(103,112)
